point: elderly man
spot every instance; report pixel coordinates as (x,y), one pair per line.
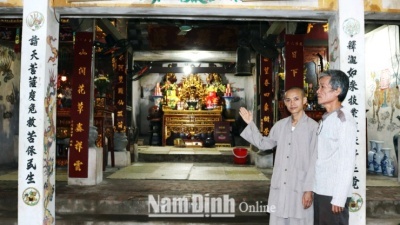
(334,169)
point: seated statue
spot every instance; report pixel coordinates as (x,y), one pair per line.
(193,100)
(214,78)
(192,89)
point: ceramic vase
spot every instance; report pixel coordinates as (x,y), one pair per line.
(388,162)
(192,104)
(378,157)
(393,165)
(371,153)
(228,100)
(157,100)
(385,161)
(390,167)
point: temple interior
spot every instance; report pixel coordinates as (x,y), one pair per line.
(177,100)
(176,96)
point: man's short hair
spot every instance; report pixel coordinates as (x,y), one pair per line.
(338,80)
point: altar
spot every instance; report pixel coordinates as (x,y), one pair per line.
(190,112)
(189,123)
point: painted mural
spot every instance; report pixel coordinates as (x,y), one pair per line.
(382,85)
(10,63)
(390,4)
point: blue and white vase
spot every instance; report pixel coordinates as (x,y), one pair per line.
(228,100)
(391,167)
(378,157)
(371,153)
(386,161)
(393,164)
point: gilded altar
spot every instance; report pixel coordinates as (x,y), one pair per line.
(191,92)
(188,122)
(191,107)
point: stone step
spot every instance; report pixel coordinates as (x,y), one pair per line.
(85,219)
(10,218)
(384,209)
(185,158)
(126,201)
(186,154)
(134,210)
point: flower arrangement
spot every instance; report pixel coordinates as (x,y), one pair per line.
(216,87)
(102,83)
(169,86)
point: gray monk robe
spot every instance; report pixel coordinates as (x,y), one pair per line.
(293,171)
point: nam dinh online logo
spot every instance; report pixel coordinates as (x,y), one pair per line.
(198,205)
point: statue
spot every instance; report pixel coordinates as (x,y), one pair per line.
(228,91)
(157,90)
(214,78)
(192,91)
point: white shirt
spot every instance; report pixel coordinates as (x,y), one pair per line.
(335,164)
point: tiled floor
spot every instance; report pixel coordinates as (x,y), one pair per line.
(189,171)
(213,172)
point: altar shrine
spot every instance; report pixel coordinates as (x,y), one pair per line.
(190,109)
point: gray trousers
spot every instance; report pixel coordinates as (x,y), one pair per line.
(323,214)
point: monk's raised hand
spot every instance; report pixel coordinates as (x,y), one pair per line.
(246,115)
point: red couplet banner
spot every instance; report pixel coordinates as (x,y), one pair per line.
(266,95)
(294,61)
(80,109)
(120,94)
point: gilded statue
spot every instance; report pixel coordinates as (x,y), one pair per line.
(191,92)
(192,89)
(168,81)
(213,78)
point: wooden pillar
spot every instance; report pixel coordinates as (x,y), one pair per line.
(346,50)
(37,124)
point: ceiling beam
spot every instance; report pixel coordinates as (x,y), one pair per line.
(209,69)
(109,28)
(186,56)
(275,28)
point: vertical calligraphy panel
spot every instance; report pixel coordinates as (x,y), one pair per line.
(266,96)
(347,48)
(294,61)
(37,126)
(80,109)
(120,94)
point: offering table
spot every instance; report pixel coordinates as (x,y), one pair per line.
(191,122)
